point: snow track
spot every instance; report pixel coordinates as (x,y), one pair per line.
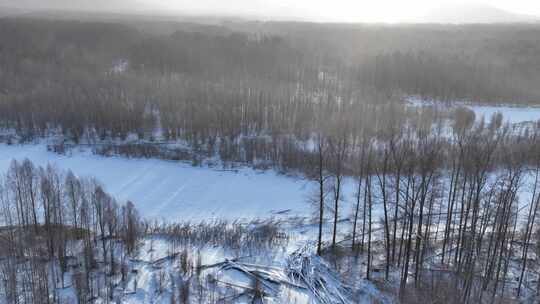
(177,191)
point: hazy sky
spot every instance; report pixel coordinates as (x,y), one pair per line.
(340,10)
(312,10)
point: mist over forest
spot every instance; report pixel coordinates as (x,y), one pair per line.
(267,65)
(252,160)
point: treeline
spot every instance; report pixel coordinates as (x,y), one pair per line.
(457,208)
(61,231)
(483,54)
(65,240)
(106,80)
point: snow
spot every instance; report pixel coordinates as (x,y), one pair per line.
(513,114)
(176,191)
(119,66)
(154,248)
(179,192)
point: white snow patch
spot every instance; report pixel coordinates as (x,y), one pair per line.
(513,114)
(176,191)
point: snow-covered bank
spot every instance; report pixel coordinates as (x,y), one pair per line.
(511,114)
(177,191)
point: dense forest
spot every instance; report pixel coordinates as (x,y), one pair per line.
(262,87)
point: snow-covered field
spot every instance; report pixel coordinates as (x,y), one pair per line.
(511,114)
(177,191)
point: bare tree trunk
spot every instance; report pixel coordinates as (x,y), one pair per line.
(531,219)
(368,269)
(320,179)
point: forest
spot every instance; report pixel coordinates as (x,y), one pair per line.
(446,203)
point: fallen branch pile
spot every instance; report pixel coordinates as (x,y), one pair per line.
(304,271)
(311,271)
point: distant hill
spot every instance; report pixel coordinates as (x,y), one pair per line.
(475,13)
(77,5)
(257,9)
(10,11)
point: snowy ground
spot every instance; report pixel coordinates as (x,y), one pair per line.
(511,114)
(176,191)
(179,192)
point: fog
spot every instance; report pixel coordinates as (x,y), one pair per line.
(385,11)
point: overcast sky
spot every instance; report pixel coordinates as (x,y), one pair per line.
(341,10)
(314,10)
